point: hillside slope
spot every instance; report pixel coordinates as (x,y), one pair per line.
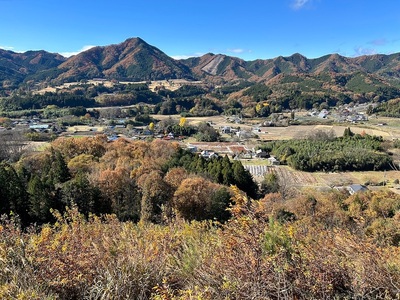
(133,60)
(17,67)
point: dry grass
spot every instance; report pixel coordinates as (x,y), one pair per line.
(250,257)
(83,128)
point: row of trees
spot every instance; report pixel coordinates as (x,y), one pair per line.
(387,109)
(220,169)
(41,101)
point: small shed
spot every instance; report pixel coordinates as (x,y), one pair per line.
(273,161)
(355,188)
(226,129)
(207,154)
(191,148)
(261,154)
(39,127)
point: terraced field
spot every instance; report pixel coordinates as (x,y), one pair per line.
(258,171)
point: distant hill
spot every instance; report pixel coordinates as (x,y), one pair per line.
(135,60)
(17,67)
(228,68)
(211,67)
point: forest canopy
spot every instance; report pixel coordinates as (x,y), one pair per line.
(135,180)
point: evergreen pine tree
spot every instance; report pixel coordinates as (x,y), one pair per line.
(59,171)
(40,200)
(13,196)
(244,180)
(227,171)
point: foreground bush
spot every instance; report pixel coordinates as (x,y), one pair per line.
(252,256)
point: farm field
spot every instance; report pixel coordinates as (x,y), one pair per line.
(291,178)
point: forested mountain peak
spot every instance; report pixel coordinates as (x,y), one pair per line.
(132,59)
(16,67)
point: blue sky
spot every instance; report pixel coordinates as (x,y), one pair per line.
(248,29)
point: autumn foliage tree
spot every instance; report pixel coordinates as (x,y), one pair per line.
(120,193)
(197,199)
(155,194)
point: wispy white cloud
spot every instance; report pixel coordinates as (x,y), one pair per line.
(6,47)
(299,4)
(237,51)
(359,51)
(10,48)
(84,48)
(178,57)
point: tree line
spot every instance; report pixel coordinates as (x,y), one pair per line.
(220,169)
(387,109)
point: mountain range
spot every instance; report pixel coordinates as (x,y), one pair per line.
(136,60)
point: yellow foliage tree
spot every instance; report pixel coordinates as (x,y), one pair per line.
(182,122)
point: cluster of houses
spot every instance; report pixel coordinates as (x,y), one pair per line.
(240,133)
(34,124)
(323,114)
(348,115)
(344,114)
(234,150)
